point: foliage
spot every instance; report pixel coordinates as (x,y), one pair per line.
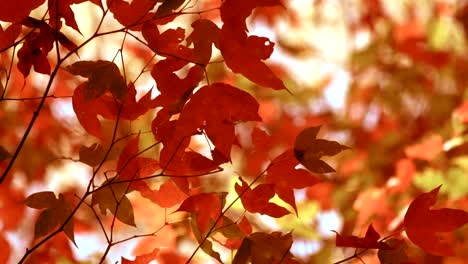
(163,130)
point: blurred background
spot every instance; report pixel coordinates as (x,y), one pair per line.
(387,78)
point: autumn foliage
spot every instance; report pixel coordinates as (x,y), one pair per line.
(170,130)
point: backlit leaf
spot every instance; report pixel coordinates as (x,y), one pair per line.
(102,76)
(142,259)
(261,247)
(207,207)
(286,178)
(308,150)
(428,228)
(112,197)
(55,214)
(257,200)
(370,240)
(242,53)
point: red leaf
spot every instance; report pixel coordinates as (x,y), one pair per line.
(167,7)
(132,14)
(370,240)
(219,124)
(17,11)
(31,54)
(87,110)
(207,206)
(257,200)
(5,249)
(285,177)
(61,8)
(132,167)
(427,228)
(9,35)
(244,54)
(102,76)
(205,33)
(309,150)
(167,196)
(142,259)
(168,44)
(174,90)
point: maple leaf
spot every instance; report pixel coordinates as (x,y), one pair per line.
(9,35)
(206,206)
(133,14)
(18,11)
(205,33)
(168,194)
(219,124)
(286,178)
(256,200)
(102,76)
(142,259)
(62,9)
(168,44)
(429,228)
(55,214)
(132,167)
(34,53)
(112,197)
(265,248)
(167,7)
(244,54)
(370,240)
(92,155)
(174,90)
(87,110)
(309,150)
(398,254)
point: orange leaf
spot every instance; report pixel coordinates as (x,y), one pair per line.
(257,200)
(428,228)
(207,206)
(427,150)
(244,54)
(142,259)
